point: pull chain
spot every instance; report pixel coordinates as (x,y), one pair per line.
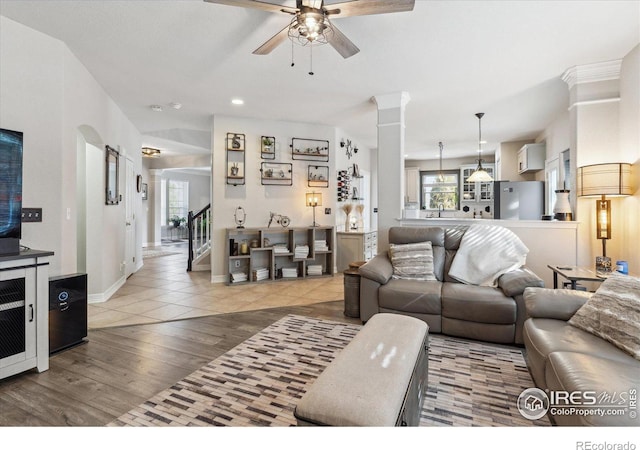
(292,63)
(311,60)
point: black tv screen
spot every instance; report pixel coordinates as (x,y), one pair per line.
(10,184)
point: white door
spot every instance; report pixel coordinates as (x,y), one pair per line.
(130,220)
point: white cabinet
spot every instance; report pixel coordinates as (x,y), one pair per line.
(411,185)
(477,191)
(355,246)
(24,312)
(531,157)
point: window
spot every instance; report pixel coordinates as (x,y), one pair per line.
(178,199)
(435,192)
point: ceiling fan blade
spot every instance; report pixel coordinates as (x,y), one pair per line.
(368,7)
(255,4)
(272,43)
(341,43)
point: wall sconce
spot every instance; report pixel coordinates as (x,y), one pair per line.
(601,180)
(314,199)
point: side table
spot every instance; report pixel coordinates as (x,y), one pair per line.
(574,274)
(352,290)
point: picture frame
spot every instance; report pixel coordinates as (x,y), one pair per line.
(112,176)
(279,174)
(235,170)
(310,149)
(267,147)
(144,191)
(318,176)
(235,142)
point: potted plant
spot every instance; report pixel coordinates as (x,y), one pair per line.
(267,144)
(177,221)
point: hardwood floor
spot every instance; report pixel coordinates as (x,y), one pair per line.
(121,367)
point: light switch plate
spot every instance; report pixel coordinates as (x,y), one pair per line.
(32,214)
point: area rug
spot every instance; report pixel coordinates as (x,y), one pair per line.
(259,382)
(156,253)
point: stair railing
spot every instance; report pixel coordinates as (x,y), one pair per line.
(199,226)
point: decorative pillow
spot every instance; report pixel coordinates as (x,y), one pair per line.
(613,313)
(412,261)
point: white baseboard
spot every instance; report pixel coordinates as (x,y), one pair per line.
(106,295)
(218,278)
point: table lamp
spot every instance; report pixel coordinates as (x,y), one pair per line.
(612,179)
(314,199)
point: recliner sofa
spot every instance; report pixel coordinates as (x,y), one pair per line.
(562,357)
(492,314)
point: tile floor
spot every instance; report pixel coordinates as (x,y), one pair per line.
(163,290)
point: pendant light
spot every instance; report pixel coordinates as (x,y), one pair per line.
(480,173)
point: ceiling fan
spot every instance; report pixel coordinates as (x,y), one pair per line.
(310,23)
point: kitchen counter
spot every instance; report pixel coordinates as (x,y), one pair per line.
(549,241)
(505,223)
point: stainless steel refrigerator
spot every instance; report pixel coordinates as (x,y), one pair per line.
(518,200)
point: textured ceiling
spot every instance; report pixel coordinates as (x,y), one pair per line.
(453,58)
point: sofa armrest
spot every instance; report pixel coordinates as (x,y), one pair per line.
(514,283)
(560,304)
(378,269)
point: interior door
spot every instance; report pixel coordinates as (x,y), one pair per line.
(130,219)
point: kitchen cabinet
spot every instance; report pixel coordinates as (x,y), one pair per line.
(478,191)
(24,312)
(531,157)
(355,246)
(411,185)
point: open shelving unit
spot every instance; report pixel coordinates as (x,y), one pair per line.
(273,256)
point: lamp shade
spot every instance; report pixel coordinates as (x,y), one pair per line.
(604,179)
(313,199)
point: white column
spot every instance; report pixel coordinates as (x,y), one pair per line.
(594,102)
(391,130)
(154,227)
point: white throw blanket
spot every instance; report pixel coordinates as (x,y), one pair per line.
(485,253)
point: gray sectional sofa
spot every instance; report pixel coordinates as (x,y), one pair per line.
(493,314)
(562,357)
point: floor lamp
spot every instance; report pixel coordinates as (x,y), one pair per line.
(602,180)
(314,199)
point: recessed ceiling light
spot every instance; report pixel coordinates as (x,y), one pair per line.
(157,108)
(237,101)
(406,156)
(175,105)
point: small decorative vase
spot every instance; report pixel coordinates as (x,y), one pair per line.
(347,223)
(562,208)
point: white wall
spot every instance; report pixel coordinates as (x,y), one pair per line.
(49,95)
(258,200)
(363,159)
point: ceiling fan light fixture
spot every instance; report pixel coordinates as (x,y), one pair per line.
(310,27)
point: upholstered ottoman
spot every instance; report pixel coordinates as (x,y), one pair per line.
(378,379)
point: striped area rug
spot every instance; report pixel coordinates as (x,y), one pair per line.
(259,382)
